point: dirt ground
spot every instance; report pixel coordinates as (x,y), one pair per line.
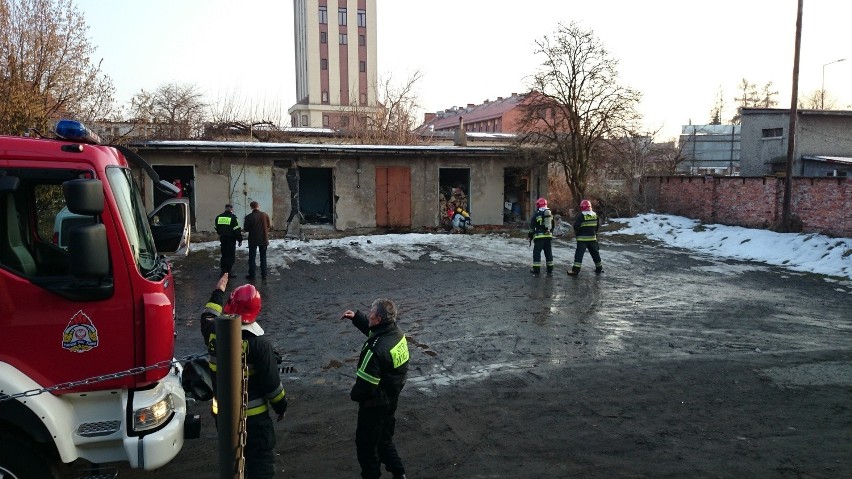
(669,364)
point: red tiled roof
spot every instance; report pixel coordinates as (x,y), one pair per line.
(473,113)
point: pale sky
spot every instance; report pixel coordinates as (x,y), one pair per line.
(679,54)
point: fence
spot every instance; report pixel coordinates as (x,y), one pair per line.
(822,204)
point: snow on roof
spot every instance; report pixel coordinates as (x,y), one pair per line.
(258,146)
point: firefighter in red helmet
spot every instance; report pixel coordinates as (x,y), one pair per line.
(265,390)
(541,234)
(586,228)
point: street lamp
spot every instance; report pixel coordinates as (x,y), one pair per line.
(822,91)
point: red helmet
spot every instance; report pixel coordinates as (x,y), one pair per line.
(586,205)
(540,203)
(244,301)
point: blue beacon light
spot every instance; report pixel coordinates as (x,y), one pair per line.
(75,131)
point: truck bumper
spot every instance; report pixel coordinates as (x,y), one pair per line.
(155,449)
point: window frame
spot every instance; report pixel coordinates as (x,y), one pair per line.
(772,133)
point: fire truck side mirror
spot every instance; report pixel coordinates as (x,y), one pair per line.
(87,248)
(9,184)
(84,196)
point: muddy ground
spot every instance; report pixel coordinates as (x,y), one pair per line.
(670,364)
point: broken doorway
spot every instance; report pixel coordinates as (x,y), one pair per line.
(453,191)
(316,195)
(516,195)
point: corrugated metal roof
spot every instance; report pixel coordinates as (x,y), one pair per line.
(843,160)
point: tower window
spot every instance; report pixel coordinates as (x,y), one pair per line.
(362,40)
(323,15)
(341,16)
(362,66)
(325,97)
(323,37)
(323,64)
(362,18)
(344,39)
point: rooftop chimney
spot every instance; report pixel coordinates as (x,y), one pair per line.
(460,138)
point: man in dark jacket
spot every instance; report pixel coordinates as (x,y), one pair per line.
(264,384)
(382,370)
(586,228)
(230,234)
(257,224)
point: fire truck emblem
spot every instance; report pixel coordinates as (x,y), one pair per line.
(80,335)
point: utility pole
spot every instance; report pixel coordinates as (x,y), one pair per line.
(791,134)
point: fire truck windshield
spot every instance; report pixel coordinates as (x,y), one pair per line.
(134,219)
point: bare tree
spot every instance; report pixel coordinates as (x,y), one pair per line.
(752,97)
(46,70)
(176,110)
(817,100)
(233,117)
(623,164)
(576,102)
(767,96)
(395,118)
(718,107)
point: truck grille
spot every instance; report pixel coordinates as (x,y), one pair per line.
(94,429)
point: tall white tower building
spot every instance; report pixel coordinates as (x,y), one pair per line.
(335,62)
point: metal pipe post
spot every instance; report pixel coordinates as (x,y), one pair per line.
(228,393)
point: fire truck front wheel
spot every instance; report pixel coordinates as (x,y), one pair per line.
(20,459)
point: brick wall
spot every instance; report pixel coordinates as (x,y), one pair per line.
(823,204)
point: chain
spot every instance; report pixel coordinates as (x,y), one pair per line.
(102,378)
(243,431)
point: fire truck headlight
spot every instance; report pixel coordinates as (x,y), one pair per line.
(153,416)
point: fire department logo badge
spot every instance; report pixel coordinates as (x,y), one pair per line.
(80,335)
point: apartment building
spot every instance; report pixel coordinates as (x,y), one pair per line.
(336,67)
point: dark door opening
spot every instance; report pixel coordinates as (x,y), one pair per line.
(453,191)
(184,178)
(316,196)
(516,195)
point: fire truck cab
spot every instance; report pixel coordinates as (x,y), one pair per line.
(87,367)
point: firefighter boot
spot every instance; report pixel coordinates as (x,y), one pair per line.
(574,271)
(598,269)
(535,270)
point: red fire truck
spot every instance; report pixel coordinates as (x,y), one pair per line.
(87,367)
